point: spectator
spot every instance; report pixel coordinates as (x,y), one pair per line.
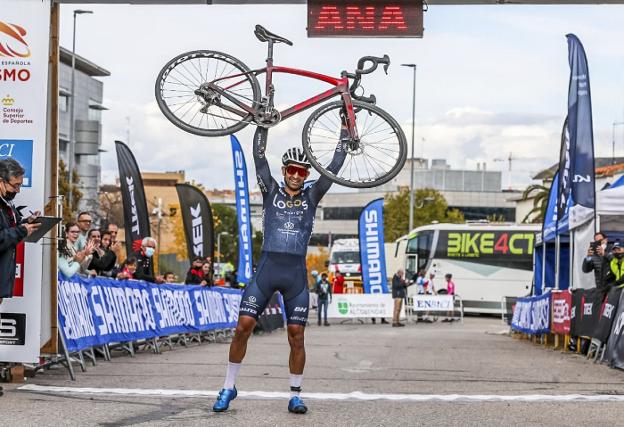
(338,283)
(598,261)
(615,276)
(115,245)
(13,229)
(128,269)
(399,286)
(84,223)
(195,275)
(230,279)
(316,278)
(429,286)
(169,277)
(104,259)
(324,293)
(70,260)
(206,271)
(421,282)
(450,290)
(145,261)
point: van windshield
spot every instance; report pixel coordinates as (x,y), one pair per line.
(345,257)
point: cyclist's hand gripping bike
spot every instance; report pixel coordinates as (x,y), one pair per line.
(210,93)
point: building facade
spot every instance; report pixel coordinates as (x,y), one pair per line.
(88,109)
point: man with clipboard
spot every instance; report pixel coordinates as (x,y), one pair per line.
(13,227)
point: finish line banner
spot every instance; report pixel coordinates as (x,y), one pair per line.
(532,315)
(99,311)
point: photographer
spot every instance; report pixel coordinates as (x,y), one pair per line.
(597,261)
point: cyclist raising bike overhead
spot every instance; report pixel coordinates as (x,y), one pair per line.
(288,218)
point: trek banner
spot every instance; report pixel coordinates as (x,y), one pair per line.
(197,220)
(614,353)
(607,313)
(25,54)
(136,216)
(99,311)
(372,249)
(241,192)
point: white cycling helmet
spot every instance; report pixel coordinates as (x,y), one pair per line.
(295,155)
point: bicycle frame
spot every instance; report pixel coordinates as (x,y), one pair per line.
(341,87)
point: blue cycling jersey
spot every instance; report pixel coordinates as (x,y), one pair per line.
(287,221)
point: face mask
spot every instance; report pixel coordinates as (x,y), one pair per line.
(149,252)
(9,195)
(618,255)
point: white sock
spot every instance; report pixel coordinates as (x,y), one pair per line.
(231,374)
(295,384)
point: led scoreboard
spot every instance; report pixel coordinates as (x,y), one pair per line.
(365,18)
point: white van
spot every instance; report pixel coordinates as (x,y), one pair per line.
(344,257)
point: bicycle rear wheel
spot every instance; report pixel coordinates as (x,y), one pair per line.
(375,160)
(183,97)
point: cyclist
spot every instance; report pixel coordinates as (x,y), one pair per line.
(288,218)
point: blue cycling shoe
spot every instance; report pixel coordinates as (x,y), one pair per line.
(226,395)
(296,405)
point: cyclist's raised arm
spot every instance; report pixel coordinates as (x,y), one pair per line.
(320,187)
(263,172)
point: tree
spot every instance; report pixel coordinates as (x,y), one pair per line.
(110,208)
(316,261)
(258,238)
(69,212)
(539,193)
(429,205)
(225,220)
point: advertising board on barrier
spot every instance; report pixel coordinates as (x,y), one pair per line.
(99,311)
(561,306)
(25,48)
(532,315)
(433,303)
(351,306)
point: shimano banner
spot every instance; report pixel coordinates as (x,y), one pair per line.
(532,315)
(580,127)
(198,222)
(241,191)
(372,252)
(136,217)
(101,310)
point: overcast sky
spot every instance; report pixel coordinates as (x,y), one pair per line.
(491,80)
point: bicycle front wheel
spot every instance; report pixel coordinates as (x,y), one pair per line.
(378,156)
(185,99)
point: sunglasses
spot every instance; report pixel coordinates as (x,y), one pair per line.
(302,172)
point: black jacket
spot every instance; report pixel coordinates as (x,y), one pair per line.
(600,266)
(399,286)
(194,276)
(145,268)
(105,264)
(10,235)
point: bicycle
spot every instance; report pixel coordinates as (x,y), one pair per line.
(209,93)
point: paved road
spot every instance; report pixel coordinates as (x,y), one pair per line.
(474,358)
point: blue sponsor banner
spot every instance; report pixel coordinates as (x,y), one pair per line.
(549,228)
(580,126)
(101,310)
(372,251)
(22,151)
(532,315)
(241,190)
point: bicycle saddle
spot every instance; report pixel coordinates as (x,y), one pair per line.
(265,35)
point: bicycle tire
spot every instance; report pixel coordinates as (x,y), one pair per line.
(253,94)
(397,159)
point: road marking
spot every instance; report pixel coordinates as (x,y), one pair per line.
(356,395)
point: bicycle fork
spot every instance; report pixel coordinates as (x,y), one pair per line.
(349,117)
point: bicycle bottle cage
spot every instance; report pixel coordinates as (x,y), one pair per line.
(265,35)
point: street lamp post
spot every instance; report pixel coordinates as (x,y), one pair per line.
(411,205)
(613,141)
(72,130)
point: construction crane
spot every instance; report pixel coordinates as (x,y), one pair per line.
(511,158)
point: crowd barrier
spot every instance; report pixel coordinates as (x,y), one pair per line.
(420,304)
(97,315)
(581,314)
